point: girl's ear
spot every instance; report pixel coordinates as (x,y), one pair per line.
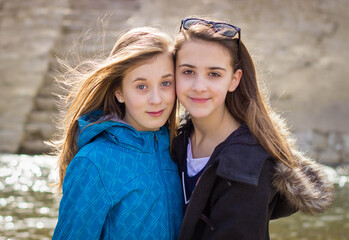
(235,81)
(118,95)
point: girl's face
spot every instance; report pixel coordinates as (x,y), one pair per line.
(204,75)
(148,92)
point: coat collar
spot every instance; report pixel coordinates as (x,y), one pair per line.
(238,158)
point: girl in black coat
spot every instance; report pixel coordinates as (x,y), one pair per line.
(238,163)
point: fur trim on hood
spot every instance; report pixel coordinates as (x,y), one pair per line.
(306,186)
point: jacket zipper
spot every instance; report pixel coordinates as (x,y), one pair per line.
(156,144)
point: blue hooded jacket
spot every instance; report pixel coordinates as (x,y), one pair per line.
(122,184)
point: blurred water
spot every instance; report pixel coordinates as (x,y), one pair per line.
(29,211)
(333,225)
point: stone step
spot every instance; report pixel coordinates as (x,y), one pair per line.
(75,43)
(45,104)
(33,147)
(39,130)
(16,5)
(104,5)
(42,117)
(88,50)
(93,23)
(79,14)
(50,90)
(54,65)
(93,39)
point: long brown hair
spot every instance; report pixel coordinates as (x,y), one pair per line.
(247,104)
(93,88)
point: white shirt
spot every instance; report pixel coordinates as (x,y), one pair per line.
(194,165)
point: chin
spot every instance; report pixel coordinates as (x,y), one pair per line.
(156,126)
(198,114)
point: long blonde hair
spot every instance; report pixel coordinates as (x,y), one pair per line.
(246,103)
(94,89)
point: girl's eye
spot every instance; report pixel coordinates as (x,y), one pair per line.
(166,83)
(214,74)
(188,72)
(141,87)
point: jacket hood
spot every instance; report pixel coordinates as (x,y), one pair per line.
(93,125)
(240,157)
(306,187)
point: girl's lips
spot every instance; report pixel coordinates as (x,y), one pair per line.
(199,100)
(156,114)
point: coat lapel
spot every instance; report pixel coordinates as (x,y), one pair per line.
(198,202)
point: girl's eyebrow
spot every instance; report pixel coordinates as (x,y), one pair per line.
(186,65)
(144,79)
(167,75)
(210,68)
(139,79)
(217,68)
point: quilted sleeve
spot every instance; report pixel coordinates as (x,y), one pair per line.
(85,202)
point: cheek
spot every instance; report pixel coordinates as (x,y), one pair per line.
(170,95)
(221,93)
(130,104)
(181,86)
(178,90)
(133,99)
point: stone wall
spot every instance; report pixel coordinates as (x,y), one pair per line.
(330,148)
(28,30)
(299,47)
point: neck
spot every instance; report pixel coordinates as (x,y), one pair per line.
(211,131)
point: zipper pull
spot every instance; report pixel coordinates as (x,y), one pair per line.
(156,144)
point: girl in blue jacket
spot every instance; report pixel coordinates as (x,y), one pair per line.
(116,173)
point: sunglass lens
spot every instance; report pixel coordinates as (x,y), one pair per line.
(226,30)
(229,32)
(190,22)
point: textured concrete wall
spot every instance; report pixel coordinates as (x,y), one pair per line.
(300,49)
(28,30)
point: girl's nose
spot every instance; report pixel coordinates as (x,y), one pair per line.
(199,85)
(155,97)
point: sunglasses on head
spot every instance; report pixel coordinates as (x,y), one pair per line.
(224,29)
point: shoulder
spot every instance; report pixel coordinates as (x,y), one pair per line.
(96,150)
(91,157)
(101,163)
(107,157)
(83,172)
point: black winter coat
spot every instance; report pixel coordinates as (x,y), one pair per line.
(236,196)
